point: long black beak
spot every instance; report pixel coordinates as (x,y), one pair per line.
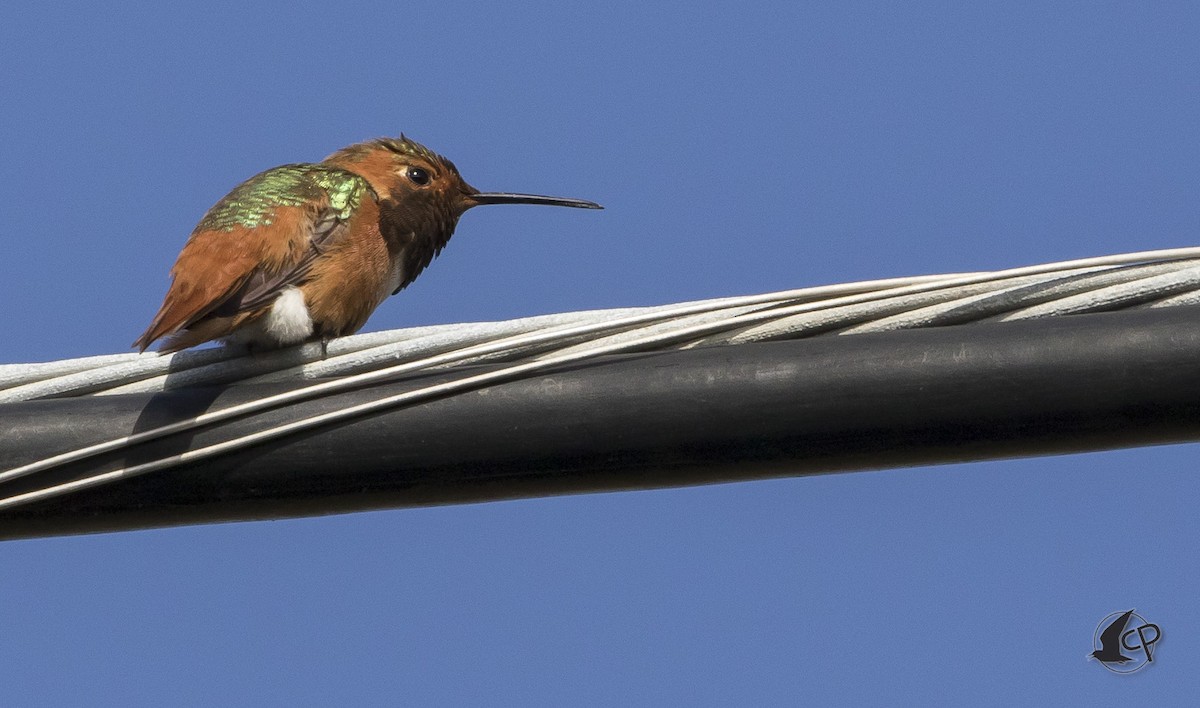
(509,198)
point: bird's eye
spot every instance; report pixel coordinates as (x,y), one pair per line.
(417,175)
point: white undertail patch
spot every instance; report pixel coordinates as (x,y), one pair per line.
(288,322)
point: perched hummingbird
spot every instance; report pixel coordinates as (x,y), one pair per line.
(307,251)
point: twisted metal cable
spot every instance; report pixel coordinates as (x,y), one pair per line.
(1156,278)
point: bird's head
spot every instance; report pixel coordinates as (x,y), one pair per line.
(415,183)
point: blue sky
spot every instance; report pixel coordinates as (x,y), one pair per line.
(738,149)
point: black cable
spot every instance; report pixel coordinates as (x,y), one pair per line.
(729,413)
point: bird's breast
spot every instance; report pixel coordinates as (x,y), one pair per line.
(395,279)
(348,282)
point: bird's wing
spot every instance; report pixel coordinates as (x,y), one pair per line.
(260,238)
(1111,636)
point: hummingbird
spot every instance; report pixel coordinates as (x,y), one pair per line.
(307,251)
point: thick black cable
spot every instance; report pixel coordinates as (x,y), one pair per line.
(728,413)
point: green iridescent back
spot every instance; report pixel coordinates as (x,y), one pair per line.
(252,203)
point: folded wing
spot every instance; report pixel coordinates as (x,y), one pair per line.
(259,239)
